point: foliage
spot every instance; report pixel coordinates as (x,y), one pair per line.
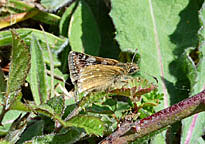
(38,102)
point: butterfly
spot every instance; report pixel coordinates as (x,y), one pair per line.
(91,73)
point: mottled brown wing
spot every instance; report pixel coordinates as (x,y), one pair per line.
(98,77)
(78,61)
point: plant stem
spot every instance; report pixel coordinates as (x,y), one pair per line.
(159,120)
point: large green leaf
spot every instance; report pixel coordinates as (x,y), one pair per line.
(146,26)
(161,31)
(83,31)
(193,127)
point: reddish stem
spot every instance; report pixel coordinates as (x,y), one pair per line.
(158,120)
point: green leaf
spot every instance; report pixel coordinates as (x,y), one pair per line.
(44,17)
(135,87)
(17,16)
(2,86)
(158,139)
(6,37)
(45,53)
(43,139)
(70,136)
(45,39)
(53,5)
(20,65)
(193,127)
(83,31)
(2,141)
(99,109)
(92,125)
(199,84)
(37,74)
(57,103)
(56,43)
(140,24)
(17,128)
(161,31)
(18,105)
(46,110)
(65,20)
(63,30)
(109,47)
(8,120)
(200,140)
(86,101)
(59,80)
(34,129)
(63,56)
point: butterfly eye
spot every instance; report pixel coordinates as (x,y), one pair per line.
(132,70)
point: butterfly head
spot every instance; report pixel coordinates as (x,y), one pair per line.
(132,68)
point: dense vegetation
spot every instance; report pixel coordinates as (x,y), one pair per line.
(40,104)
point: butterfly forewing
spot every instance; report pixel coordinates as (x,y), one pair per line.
(98,77)
(77,61)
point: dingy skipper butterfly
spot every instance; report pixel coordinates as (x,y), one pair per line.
(91,73)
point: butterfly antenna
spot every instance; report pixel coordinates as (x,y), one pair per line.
(133,58)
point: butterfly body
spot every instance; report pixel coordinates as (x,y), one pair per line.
(91,73)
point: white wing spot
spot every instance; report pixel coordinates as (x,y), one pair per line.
(91,59)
